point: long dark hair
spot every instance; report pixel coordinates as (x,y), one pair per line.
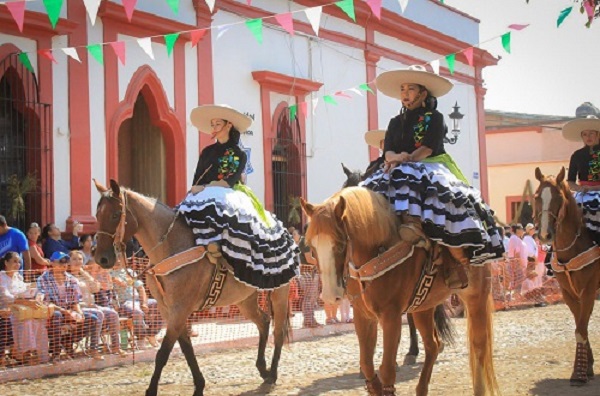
(46,230)
(234,135)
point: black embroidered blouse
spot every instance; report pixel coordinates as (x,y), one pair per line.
(585,165)
(415,128)
(228,162)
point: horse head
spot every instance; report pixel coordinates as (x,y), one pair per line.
(116,224)
(352,177)
(552,199)
(352,225)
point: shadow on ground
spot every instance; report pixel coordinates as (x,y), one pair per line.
(556,387)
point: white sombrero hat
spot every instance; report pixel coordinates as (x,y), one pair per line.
(572,129)
(389,82)
(374,137)
(202,115)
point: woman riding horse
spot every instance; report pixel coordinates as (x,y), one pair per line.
(222,210)
(422,182)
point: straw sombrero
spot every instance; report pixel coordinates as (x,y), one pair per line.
(202,115)
(572,129)
(374,137)
(389,82)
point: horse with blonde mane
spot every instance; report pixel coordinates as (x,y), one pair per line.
(576,261)
(351,230)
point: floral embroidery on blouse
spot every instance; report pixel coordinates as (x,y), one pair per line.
(228,164)
(594,166)
(421,127)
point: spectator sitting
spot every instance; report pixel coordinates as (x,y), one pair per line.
(53,242)
(39,263)
(13,240)
(86,242)
(103,296)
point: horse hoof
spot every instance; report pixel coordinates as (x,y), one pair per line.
(151,392)
(270,381)
(578,382)
(409,360)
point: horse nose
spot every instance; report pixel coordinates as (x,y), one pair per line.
(103,261)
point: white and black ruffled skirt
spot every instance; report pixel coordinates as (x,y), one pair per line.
(453,213)
(262,256)
(589,202)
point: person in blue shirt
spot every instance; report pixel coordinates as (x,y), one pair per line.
(52,239)
(13,240)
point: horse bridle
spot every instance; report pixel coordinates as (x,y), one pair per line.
(119,235)
(556,221)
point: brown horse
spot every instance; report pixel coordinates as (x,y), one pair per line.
(560,221)
(123,213)
(351,228)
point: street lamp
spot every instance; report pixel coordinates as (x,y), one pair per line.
(455,116)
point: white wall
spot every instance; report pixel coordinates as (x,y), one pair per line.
(191,100)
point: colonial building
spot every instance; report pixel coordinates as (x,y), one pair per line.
(68,121)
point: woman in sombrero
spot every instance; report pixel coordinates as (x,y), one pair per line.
(584,169)
(222,210)
(421,181)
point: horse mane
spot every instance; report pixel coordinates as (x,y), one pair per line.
(152,200)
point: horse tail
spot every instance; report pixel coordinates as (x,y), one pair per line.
(444,326)
(485,363)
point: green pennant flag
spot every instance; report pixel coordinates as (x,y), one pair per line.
(255,26)
(96,50)
(24,58)
(170,40)
(348,7)
(365,87)
(563,14)
(329,99)
(293,111)
(53,8)
(174,4)
(506,42)
(450,59)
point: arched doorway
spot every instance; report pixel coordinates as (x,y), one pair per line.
(142,160)
(287,159)
(25,175)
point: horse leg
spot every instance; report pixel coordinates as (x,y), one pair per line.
(590,370)
(188,351)
(582,352)
(174,330)
(413,351)
(431,342)
(281,327)
(250,309)
(365,326)
(391,323)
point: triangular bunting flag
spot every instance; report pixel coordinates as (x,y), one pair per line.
(342,94)
(348,7)
(435,65)
(211,5)
(119,48)
(96,50)
(303,108)
(71,52)
(315,102)
(450,59)
(91,6)
(589,9)
(329,99)
(197,36)
(365,87)
(563,14)
(129,6)
(17,11)
(286,21)
(517,26)
(356,91)
(24,58)
(403,5)
(255,26)
(249,2)
(293,111)
(174,4)
(221,30)
(146,44)
(506,42)
(469,55)
(170,40)
(46,53)
(375,6)
(53,8)
(314,17)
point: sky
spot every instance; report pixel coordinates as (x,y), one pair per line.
(550,70)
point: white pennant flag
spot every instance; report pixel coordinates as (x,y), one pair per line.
(146,44)
(221,30)
(72,52)
(91,7)
(315,102)
(210,4)
(435,65)
(356,91)
(314,17)
(403,4)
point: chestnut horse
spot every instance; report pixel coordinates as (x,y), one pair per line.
(123,213)
(560,221)
(351,228)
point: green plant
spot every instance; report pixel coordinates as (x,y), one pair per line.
(294,214)
(16,190)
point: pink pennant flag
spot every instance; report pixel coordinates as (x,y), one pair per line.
(342,94)
(129,6)
(119,48)
(249,2)
(197,35)
(469,55)
(589,8)
(17,11)
(46,53)
(286,22)
(516,26)
(303,108)
(375,7)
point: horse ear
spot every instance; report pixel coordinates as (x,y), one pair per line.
(340,208)
(307,207)
(347,171)
(561,176)
(114,186)
(101,189)
(538,174)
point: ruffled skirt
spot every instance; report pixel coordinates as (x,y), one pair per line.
(589,202)
(262,256)
(453,213)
